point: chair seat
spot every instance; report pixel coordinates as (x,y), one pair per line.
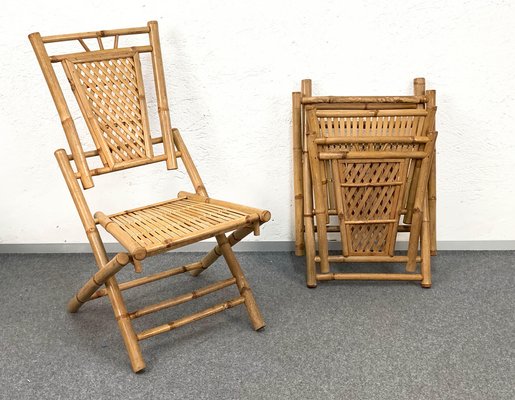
(175,223)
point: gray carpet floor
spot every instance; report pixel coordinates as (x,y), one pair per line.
(342,340)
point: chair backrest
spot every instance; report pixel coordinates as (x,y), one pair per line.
(359,162)
(109,89)
(421,99)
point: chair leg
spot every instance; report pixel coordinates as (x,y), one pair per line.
(255,316)
(124,323)
(432,205)
(311,280)
(120,310)
(425,248)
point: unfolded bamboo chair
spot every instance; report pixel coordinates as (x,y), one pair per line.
(306,231)
(108,86)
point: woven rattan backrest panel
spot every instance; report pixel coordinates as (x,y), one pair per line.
(371,193)
(111,96)
(367,124)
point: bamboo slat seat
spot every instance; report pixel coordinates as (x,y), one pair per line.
(107,80)
(173,223)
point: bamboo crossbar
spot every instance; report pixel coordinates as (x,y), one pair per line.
(190,318)
(183,298)
(337,155)
(151,278)
(95,34)
(367,259)
(363,99)
(368,113)
(336,228)
(263,215)
(365,106)
(97,280)
(372,139)
(97,55)
(348,276)
(121,167)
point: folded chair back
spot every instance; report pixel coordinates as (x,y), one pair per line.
(367,154)
(108,85)
(307,227)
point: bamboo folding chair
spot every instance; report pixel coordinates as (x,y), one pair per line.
(306,232)
(363,158)
(108,86)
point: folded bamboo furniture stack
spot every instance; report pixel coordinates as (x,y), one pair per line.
(108,85)
(361,165)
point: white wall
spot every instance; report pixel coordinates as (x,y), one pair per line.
(231,67)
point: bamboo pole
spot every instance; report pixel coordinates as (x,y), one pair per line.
(320,203)
(95,34)
(348,276)
(370,154)
(62,109)
(183,298)
(216,252)
(297,174)
(162,100)
(192,171)
(425,247)
(370,113)
(309,226)
(421,193)
(264,215)
(97,55)
(151,278)
(431,103)
(190,318)
(255,316)
(367,259)
(363,99)
(97,280)
(97,246)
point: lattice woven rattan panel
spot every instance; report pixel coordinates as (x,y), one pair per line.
(111,93)
(372,192)
(366,126)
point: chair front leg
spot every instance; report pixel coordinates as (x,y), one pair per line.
(255,316)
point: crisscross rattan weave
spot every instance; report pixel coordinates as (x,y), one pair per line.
(110,92)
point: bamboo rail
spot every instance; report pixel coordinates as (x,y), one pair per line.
(190,318)
(183,298)
(348,276)
(150,278)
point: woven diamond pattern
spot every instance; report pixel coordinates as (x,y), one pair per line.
(111,87)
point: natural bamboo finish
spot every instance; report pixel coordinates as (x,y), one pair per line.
(108,85)
(366,156)
(353,117)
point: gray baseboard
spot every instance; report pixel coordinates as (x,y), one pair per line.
(243,246)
